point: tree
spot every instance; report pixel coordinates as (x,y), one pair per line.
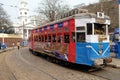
(10,30)
(52,8)
(4,19)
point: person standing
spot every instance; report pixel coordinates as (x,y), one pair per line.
(18,45)
(13,44)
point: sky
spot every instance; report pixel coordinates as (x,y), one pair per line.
(12,11)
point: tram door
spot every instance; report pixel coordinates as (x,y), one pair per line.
(80,47)
(32,39)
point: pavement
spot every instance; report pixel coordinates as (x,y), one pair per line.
(115,61)
(7,49)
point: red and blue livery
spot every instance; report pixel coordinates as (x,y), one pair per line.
(81,38)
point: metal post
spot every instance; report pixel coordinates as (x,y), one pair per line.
(3,35)
(93,27)
(23,31)
(27,33)
(106,29)
(119,19)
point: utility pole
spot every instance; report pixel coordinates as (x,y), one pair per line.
(3,35)
(23,31)
(119,19)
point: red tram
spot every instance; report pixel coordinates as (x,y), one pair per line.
(81,38)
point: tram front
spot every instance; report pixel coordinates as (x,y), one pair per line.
(95,48)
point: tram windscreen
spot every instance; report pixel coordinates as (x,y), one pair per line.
(99,29)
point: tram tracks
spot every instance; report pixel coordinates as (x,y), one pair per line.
(38,69)
(15,67)
(108,73)
(32,68)
(5,72)
(72,73)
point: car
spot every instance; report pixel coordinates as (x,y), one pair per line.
(3,46)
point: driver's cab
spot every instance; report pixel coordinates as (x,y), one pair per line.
(92,28)
(97,32)
(94,32)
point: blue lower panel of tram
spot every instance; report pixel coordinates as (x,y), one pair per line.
(86,53)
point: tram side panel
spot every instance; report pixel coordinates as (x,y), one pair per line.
(31,40)
(72,46)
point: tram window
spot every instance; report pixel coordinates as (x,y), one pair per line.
(39,38)
(53,38)
(36,38)
(59,38)
(49,38)
(80,37)
(80,28)
(89,28)
(66,38)
(45,38)
(100,29)
(73,37)
(42,38)
(66,29)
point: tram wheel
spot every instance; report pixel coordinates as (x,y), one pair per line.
(35,53)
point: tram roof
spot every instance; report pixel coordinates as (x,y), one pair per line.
(82,15)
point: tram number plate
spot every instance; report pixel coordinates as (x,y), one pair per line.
(98,61)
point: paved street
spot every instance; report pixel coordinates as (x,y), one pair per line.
(22,65)
(77,31)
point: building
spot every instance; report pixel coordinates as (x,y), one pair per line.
(104,0)
(25,24)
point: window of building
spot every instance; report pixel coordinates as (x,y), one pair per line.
(25,13)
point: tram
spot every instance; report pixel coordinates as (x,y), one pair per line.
(80,37)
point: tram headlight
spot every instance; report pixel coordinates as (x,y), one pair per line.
(100,51)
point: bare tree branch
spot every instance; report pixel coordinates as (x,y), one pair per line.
(4,19)
(52,8)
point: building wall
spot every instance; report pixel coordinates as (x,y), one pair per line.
(9,39)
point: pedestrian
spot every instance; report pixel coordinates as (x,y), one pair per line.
(18,45)
(13,44)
